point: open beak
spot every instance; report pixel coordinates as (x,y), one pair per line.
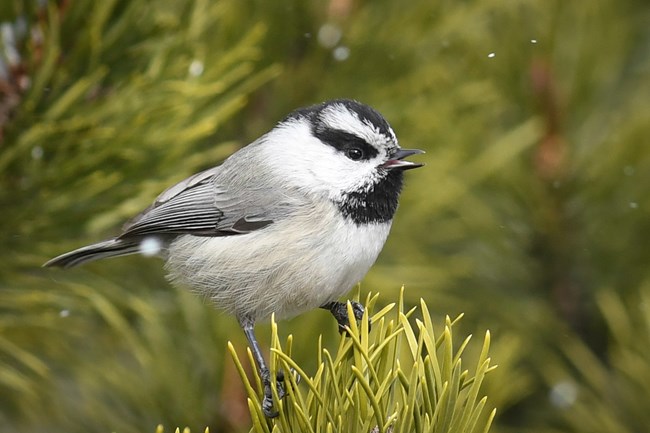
(397,160)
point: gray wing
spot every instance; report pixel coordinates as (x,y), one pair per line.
(199,206)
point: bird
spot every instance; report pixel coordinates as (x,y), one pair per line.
(286,224)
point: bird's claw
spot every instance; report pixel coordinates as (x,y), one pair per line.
(267,406)
(357,310)
(340,312)
(280,386)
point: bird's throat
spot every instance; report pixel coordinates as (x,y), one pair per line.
(374,203)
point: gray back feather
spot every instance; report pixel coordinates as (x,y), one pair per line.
(236,197)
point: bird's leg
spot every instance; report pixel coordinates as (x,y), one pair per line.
(265,374)
(340,312)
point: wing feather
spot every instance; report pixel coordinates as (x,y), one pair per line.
(198,206)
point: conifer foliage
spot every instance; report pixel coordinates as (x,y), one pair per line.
(531,217)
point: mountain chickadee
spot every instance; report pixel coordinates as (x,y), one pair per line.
(286,224)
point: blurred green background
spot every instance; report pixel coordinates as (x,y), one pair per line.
(532,215)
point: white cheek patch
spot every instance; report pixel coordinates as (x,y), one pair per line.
(303,161)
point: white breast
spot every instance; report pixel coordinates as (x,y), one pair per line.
(287,268)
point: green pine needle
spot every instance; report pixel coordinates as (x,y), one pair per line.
(396,376)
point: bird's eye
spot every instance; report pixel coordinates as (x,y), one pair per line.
(354,154)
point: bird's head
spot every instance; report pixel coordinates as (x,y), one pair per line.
(344,150)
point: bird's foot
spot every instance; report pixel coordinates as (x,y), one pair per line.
(267,401)
(280,385)
(340,312)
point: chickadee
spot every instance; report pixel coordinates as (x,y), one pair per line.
(286,224)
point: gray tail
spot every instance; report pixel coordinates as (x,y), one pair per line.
(100,250)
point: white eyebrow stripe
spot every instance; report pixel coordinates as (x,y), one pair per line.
(339,117)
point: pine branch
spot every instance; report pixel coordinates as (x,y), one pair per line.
(401,376)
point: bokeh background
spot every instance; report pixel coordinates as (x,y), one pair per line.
(532,215)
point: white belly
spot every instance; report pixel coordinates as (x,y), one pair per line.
(287,268)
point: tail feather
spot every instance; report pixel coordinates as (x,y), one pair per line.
(100,250)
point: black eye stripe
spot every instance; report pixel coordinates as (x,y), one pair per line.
(343,141)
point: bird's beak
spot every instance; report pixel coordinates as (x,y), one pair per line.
(397,160)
